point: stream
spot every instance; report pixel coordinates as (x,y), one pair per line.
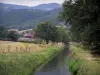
(57,66)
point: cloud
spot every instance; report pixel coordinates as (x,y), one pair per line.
(30,2)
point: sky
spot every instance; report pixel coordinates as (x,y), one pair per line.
(31,2)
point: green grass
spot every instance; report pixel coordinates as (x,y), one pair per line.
(82,62)
(25,63)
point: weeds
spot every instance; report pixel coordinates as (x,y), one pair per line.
(26,62)
(21,47)
(82,62)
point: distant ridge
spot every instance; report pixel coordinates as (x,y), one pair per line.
(49,6)
(24,17)
(12,6)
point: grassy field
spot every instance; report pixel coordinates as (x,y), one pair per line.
(82,62)
(7,47)
(24,61)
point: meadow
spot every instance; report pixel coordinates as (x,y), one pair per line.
(26,58)
(82,62)
(8,47)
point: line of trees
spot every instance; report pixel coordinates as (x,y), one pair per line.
(45,31)
(8,35)
(84,18)
(49,32)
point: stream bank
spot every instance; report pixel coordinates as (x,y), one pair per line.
(57,66)
(25,63)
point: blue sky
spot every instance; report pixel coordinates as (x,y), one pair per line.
(30,2)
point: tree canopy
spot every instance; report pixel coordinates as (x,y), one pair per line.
(84,17)
(3,32)
(12,35)
(49,32)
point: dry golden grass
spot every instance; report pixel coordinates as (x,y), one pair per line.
(90,65)
(25,61)
(6,47)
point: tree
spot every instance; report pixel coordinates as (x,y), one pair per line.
(13,35)
(46,30)
(3,33)
(61,34)
(84,17)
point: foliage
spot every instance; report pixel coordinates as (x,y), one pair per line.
(62,34)
(74,66)
(46,31)
(84,17)
(82,62)
(49,32)
(13,35)
(3,32)
(43,42)
(8,35)
(38,41)
(26,18)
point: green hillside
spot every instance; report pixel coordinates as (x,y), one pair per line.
(15,18)
(50,16)
(27,18)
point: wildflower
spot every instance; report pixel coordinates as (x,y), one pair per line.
(70,52)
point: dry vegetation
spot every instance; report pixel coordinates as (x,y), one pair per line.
(8,46)
(23,58)
(89,64)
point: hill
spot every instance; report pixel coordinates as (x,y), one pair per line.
(50,6)
(49,16)
(12,6)
(18,16)
(24,17)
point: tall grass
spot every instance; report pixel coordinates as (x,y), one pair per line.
(25,63)
(8,47)
(82,62)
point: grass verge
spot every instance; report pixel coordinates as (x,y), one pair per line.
(82,62)
(25,63)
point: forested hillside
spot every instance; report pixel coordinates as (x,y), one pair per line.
(49,16)
(24,17)
(15,18)
(12,6)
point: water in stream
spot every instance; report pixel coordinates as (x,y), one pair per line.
(57,66)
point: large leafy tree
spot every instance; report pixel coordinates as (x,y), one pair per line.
(47,31)
(84,17)
(3,33)
(62,34)
(13,35)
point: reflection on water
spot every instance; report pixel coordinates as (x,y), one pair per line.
(57,66)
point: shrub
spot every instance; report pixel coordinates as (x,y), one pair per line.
(38,41)
(13,36)
(74,66)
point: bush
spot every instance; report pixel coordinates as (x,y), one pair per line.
(13,36)
(82,62)
(38,41)
(43,42)
(3,33)
(74,66)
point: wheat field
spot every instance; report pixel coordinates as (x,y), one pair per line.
(8,46)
